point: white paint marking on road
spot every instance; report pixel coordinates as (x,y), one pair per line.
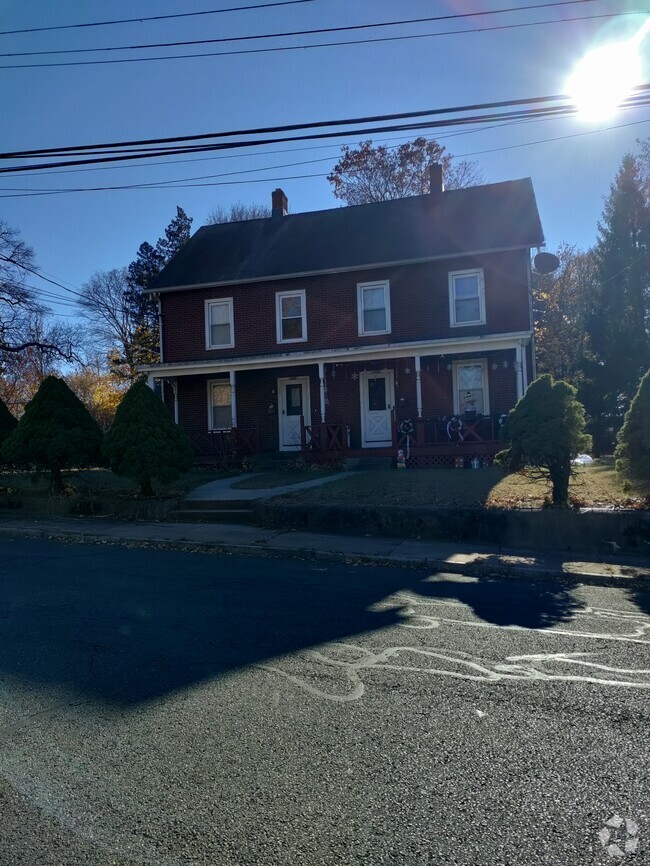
(480,714)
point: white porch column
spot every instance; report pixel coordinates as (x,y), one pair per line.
(524,367)
(321,378)
(174,384)
(519,373)
(418,385)
(150,382)
(233,398)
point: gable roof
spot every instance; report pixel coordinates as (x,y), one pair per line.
(455,222)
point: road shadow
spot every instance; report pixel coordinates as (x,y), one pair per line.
(506,601)
(126,626)
(639,593)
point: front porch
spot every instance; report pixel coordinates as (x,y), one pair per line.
(439,409)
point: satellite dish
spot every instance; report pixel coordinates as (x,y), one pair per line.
(546,263)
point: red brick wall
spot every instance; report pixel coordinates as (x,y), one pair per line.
(419,308)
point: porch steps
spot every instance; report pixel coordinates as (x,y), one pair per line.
(213,511)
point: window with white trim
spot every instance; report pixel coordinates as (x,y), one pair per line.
(471,395)
(291,316)
(466,298)
(219,405)
(373,302)
(219,329)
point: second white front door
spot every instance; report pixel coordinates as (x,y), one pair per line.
(377,404)
(293,403)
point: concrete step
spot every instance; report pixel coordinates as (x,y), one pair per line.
(203,515)
(215,504)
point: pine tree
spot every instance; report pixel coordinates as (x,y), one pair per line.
(143,310)
(7,425)
(633,442)
(619,326)
(56,432)
(546,430)
(144,443)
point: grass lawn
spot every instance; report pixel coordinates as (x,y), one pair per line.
(279,478)
(597,484)
(98,482)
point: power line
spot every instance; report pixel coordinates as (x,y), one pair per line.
(40,276)
(182,185)
(292,127)
(375,40)
(153,17)
(291,33)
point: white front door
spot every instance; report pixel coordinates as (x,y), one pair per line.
(293,402)
(377,403)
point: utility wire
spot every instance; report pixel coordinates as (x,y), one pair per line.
(291,33)
(375,40)
(182,185)
(40,276)
(557,111)
(153,17)
(294,127)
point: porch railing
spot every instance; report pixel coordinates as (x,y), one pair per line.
(227,446)
(453,430)
(324,438)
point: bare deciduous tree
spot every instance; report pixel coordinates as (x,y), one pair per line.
(237,212)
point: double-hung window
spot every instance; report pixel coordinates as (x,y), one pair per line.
(291,317)
(471,388)
(219,330)
(373,302)
(466,298)
(219,405)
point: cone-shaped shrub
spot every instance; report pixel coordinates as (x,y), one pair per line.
(7,425)
(633,441)
(546,430)
(55,432)
(143,442)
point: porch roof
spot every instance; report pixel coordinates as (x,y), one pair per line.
(457,346)
(491,217)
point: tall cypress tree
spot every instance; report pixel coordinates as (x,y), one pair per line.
(618,327)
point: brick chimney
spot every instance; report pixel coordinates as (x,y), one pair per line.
(436,181)
(279,203)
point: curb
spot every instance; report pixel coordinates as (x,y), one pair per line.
(477,569)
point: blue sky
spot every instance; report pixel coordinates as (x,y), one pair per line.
(76,234)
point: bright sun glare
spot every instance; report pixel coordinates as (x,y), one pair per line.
(607,76)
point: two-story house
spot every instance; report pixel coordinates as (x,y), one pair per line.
(404,323)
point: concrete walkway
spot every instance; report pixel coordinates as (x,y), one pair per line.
(247,540)
(222,490)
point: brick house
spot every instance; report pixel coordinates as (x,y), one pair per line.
(398,324)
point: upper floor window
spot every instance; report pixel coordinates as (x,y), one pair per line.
(466,298)
(291,317)
(219,329)
(373,301)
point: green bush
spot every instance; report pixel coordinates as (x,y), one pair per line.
(7,425)
(144,443)
(633,441)
(546,431)
(56,432)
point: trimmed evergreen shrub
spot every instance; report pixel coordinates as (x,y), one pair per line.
(7,425)
(633,441)
(144,443)
(546,431)
(56,432)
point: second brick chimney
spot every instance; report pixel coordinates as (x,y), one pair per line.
(279,203)
(436,180)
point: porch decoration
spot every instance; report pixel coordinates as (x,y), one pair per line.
(406,428)
(401,461)
(459,462)
(455,428)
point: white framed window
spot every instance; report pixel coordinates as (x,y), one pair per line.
(291,316)
(373,304)
(471,393)
(219,327)
(466,298)
(219,405)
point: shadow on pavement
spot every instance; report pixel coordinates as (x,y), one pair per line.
(126,626)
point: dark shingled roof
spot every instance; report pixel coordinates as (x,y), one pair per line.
(454,222)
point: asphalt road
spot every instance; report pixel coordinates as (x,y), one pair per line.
(183,710)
